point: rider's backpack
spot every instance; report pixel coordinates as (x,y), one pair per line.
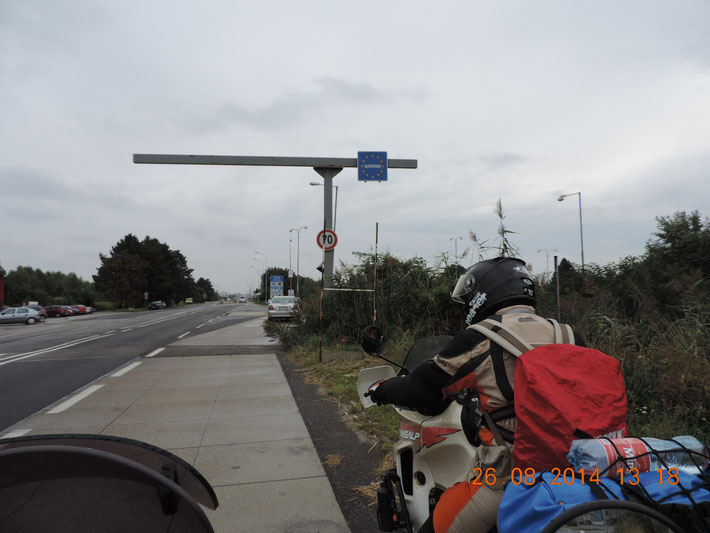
(562,392)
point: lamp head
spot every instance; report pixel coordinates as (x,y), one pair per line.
(562,197)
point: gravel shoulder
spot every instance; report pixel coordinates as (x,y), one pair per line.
(348,458)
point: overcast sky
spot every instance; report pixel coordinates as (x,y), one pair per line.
(517,100)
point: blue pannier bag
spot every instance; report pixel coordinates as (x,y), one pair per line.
(528,508)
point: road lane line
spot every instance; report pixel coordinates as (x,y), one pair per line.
(124,330)
(26,355)
(15,433)
(198,327)
(125,370)
(184,335)
(74,400)
(210,320)
(154,352)
(112,331)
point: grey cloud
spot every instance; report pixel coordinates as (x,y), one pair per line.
(26,190)
(297,106)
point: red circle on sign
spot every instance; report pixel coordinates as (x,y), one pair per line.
(328,238)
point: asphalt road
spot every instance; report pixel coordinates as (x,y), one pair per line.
(42,363)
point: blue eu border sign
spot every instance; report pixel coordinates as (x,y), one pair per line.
(277,285)
(372,166)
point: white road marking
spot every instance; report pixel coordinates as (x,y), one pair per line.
(112,331)
(125,370)
(184,335)
(15,433)
(74,400)
(124,330)
(69,344)
(210,320)
(155,352)
(198,327)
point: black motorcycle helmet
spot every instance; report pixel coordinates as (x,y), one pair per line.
(493,284)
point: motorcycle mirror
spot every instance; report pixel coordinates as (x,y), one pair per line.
(612,515)
(372,340)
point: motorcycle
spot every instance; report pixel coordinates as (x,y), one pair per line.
(433,451)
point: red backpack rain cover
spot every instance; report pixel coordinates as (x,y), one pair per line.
(561,388)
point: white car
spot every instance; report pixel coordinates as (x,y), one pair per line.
(282,307)
(242,299)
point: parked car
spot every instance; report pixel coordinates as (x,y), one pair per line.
(56,310)
(19,315)
(70,310)
(282,307)
(83,310)
(157,304)
(188,301)
(242,299)
(41,310)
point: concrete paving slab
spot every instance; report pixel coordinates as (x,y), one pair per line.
(294,506)
(235,464)
(169,412)
(179,434)
(233,408)
(249,333)
(254,429)
(169,396)
(253,391)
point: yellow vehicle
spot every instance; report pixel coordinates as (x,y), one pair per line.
(188,301)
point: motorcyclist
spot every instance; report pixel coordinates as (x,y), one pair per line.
(501,289)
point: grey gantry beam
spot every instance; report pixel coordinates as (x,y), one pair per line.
(327,167)
(314,162)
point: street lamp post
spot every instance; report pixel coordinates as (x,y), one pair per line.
(547,259)
(581,235)
(258,273)
(261,264)
(298,254)
(456,252)
(335,216)
(266,275)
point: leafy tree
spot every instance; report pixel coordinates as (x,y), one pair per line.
(122,277)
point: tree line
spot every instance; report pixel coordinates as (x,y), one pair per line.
(131,269)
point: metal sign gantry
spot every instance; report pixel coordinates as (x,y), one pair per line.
(327,167)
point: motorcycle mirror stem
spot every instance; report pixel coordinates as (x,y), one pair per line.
(391,362)
(372,339)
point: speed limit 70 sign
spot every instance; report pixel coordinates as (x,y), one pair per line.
(327,239)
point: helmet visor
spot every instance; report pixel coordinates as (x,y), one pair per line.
(464,286)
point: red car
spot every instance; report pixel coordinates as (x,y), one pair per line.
(56,310)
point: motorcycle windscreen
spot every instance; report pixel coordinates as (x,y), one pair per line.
(157,459)
(424,349)
(56,489)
